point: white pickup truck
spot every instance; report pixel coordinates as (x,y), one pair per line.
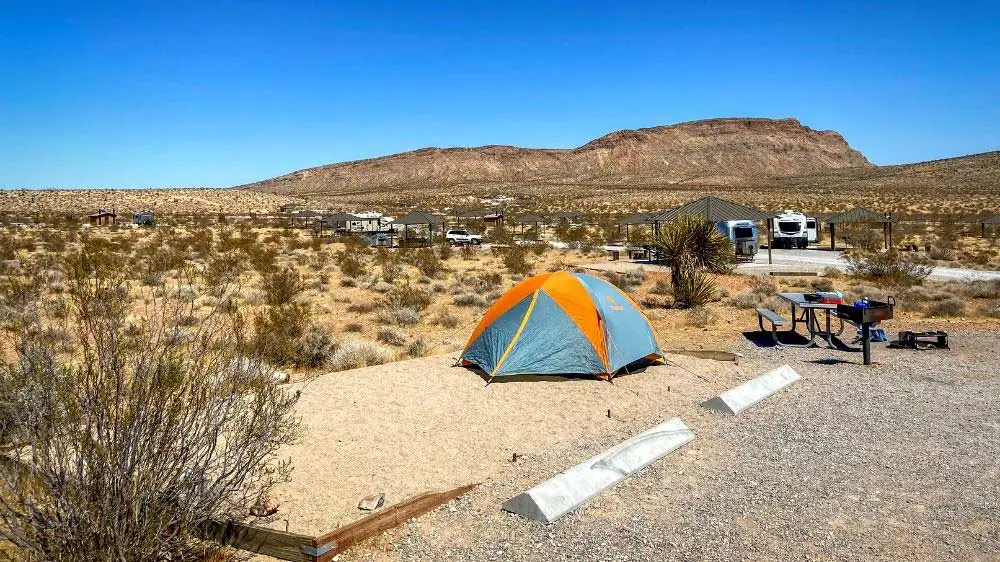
(460,237)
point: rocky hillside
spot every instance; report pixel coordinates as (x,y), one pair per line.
(710,152)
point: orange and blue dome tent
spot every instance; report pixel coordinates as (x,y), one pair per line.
(561,323)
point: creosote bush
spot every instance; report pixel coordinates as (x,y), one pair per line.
(887,268)
(120,446)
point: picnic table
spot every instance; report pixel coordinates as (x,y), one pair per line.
(807,312)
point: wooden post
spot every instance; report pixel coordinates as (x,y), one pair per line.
(833,236)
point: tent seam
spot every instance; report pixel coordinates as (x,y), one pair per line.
(517,334)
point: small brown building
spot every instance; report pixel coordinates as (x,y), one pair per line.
(103,218)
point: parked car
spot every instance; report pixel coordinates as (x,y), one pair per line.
(459,237)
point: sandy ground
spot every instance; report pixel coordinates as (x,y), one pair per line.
(419,425)
(896,460)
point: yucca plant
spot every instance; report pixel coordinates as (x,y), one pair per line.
(689,246)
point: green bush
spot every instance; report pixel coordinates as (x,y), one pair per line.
(887,268)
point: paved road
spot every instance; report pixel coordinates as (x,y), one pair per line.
(810,260)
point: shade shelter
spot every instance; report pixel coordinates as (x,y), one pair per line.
(991,221)
(716,210)
(420,218)
(859,215)
(635,219)
(336,222)
(570,216)
(534,220)
(561,323)
(468,214)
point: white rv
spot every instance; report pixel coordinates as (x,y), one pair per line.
(744,235)
(812,230)
(789,230)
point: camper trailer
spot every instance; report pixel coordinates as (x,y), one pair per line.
(744,235)
(789,230)
(812,230)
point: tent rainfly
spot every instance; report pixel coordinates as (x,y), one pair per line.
(861,215)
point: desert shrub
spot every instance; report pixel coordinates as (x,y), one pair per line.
(357,353)
(351,261)
(981,289)
(353,327)
(314,348)
(348,282)
(426,261)
(951,306)
(117,446)
(382,287)
(418,348)
(695,288)
(445,318)
(653,301)
(627,281)
(468,252)
(699,317)
(661,287)
(832,272)
(515,259)
(391,335)
(278,331)
(991,309)
(941,254)
(822,284)
(408,296)
(404,316)
(445,250)
(745,300)
(281,286)
(389,265)
(470,299)
(363,307)
(887,268)
(763,286)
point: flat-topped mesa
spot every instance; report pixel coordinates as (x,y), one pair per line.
(726,151)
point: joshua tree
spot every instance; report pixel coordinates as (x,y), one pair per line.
(691,246)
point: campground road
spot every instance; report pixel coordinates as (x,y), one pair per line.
(819,259)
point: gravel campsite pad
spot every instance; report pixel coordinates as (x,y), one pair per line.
(897,460)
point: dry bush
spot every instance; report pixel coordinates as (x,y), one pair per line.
(445,319)
(408,296)
(389,265)
(822,284)
(627,281)
(699,317)
(352,261)
(983,289)
(763,286)
(357,353)
(364,307)
(745,300)
(314,348)
(515,259)
(92,471)
(951,306)
(348,282)
(832,272)
(426,261)
(887,268)
(404,316)
(991,309)
(391,335)
(470,299)
(468,252)
(281,286)
(418,348)
(354,327)
(661,287)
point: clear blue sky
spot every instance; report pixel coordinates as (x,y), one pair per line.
(173,93)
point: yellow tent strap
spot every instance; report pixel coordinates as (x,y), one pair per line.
(517,334)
